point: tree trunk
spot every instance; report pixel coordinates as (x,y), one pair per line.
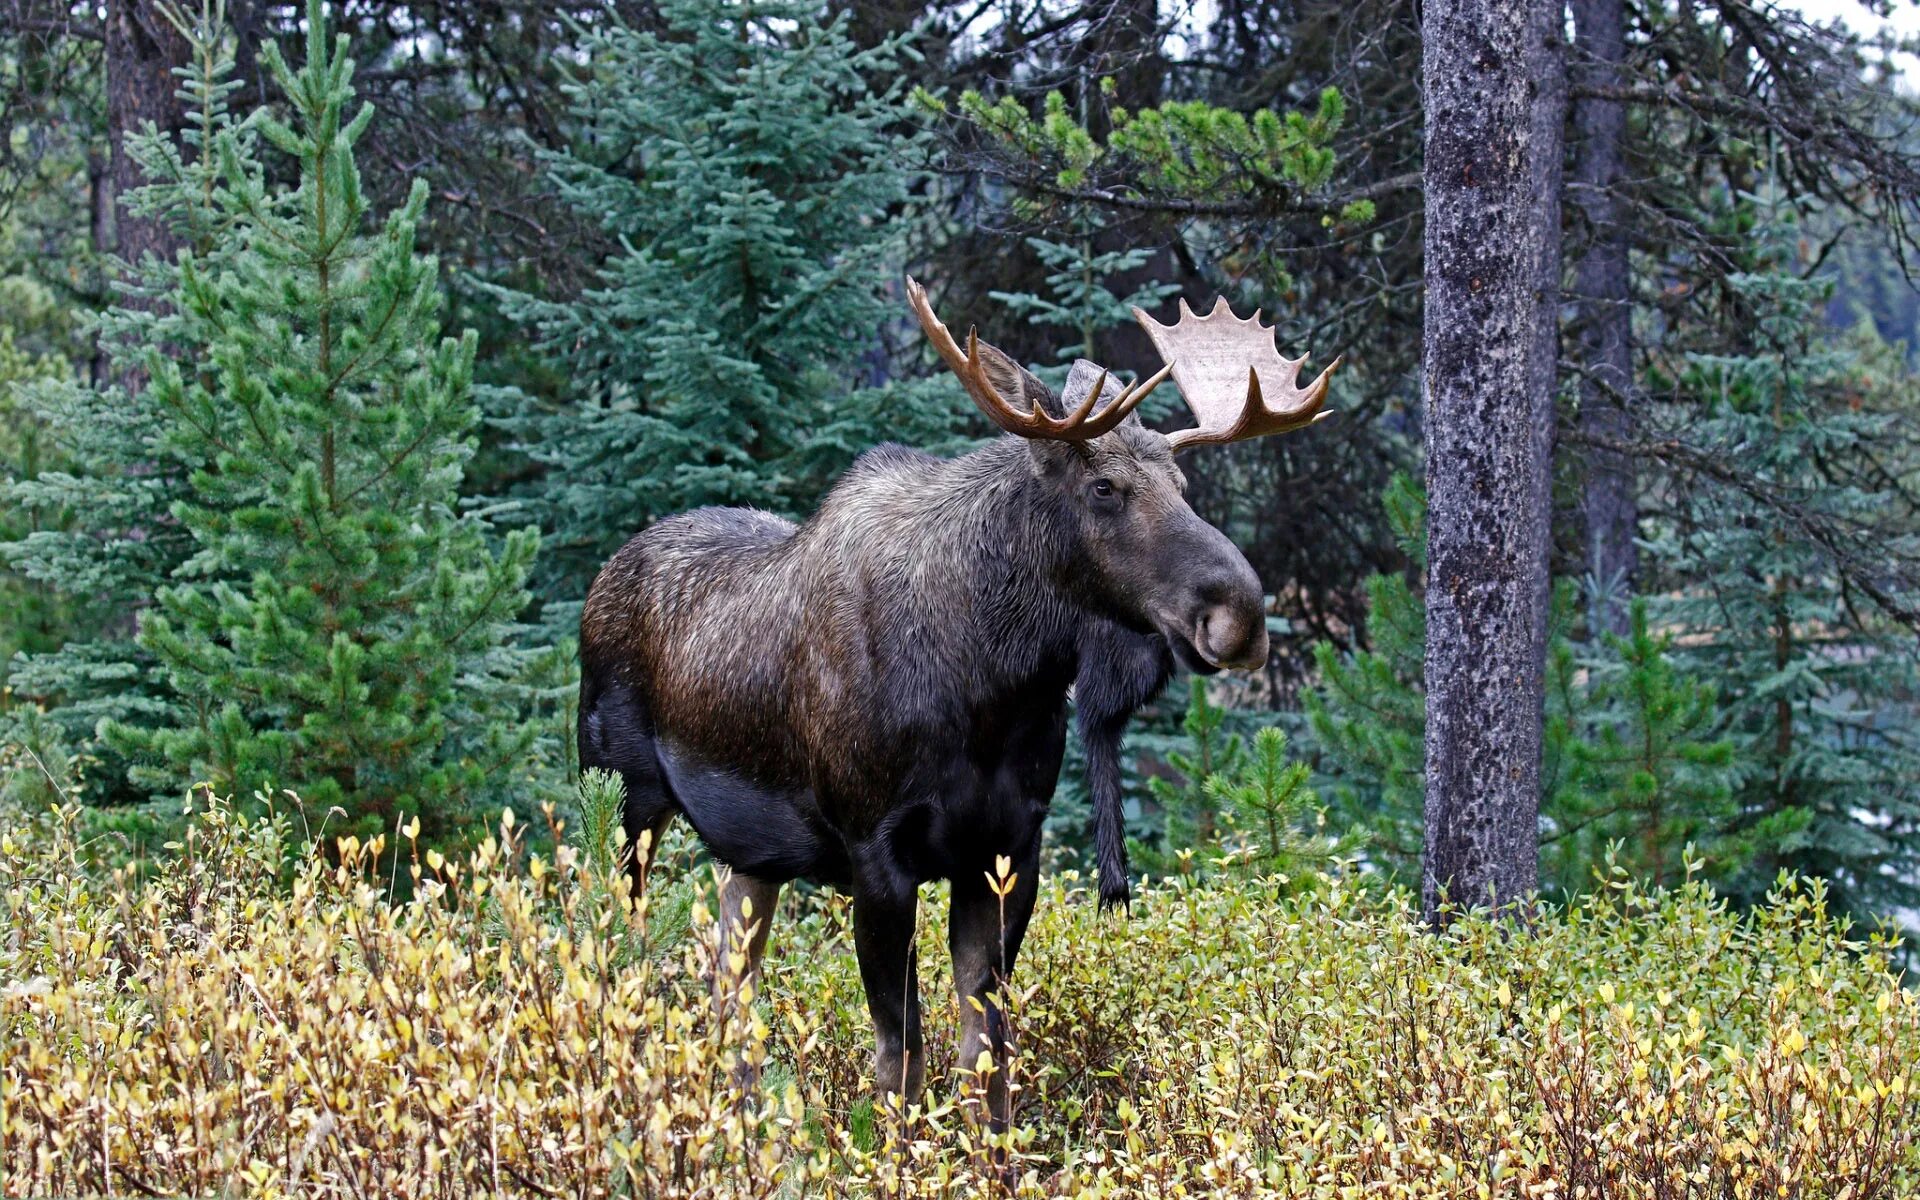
(1605,310)
(1494,104)
(142,50)
(100,232)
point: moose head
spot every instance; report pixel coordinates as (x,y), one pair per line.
(1147,559)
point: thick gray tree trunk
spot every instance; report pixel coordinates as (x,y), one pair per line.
(1605,311)
(1495,104)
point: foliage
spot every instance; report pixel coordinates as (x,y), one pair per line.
(223,1026)
(1081,300)
(1277,827)
(745,163)
(100,529)
(342,626)
(39,612)
(1369,712)
(1224,800)
(1637,772)
(1189,811)
(1188,147)
(335,621)
(1777,585)
(1654,769)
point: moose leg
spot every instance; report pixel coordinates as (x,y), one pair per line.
(883,925)
(746,914)
(984,936)
(644,831)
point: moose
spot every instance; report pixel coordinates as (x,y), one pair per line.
(876,697)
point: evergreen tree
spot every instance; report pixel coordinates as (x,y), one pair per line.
(1277,825)
(1082,302)
(1189,813)
(1784,585)
(338,626)
(99,526)
(34,611)
(1655,781)
(730,351)
(1240,803)
(1631,749)
(1369,712)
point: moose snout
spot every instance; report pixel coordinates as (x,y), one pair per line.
(1229,618)
(1228,636)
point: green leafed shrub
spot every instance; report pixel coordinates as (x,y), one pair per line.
(255,1018)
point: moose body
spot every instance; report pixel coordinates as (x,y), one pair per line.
(876,697)
(873,699)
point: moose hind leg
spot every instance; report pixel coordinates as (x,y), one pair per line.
(616,734)
(883,927)
(984,934)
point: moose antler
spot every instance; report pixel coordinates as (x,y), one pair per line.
(1207,356)
(1034,422)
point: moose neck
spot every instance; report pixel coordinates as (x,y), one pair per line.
(968,560)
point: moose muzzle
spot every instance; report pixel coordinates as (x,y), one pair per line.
(1224,614)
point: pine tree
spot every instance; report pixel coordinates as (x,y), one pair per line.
(1277,824)
(1655,782)
(338,626)
(1189,814)
(1631,751)
(1369,712)
(730,351)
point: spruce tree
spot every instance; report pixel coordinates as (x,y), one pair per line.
(338,626)
(1775,571)
(98,524)
(32,612)
(749,173)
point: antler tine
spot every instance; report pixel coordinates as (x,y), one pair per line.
(1078,426)
(1208,354)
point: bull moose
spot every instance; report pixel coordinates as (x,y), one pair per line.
(876,697)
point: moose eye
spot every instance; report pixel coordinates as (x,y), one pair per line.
(1103,488)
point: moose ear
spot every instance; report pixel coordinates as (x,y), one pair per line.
(1081,380)
(1011,379)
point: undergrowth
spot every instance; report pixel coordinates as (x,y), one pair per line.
(255,1018)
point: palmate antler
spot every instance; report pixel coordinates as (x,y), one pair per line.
(1227,368)
(1033,421)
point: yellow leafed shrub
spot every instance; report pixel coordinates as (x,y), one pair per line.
(235,1025)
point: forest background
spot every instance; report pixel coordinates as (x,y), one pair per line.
(318,418)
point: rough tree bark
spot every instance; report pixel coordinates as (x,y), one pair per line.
(1495,101)
(1604,317)
(142,50)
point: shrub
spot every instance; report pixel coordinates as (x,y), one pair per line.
(255,1018)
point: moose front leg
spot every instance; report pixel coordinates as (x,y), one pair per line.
(746,915)
(883,927)
(984,935)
